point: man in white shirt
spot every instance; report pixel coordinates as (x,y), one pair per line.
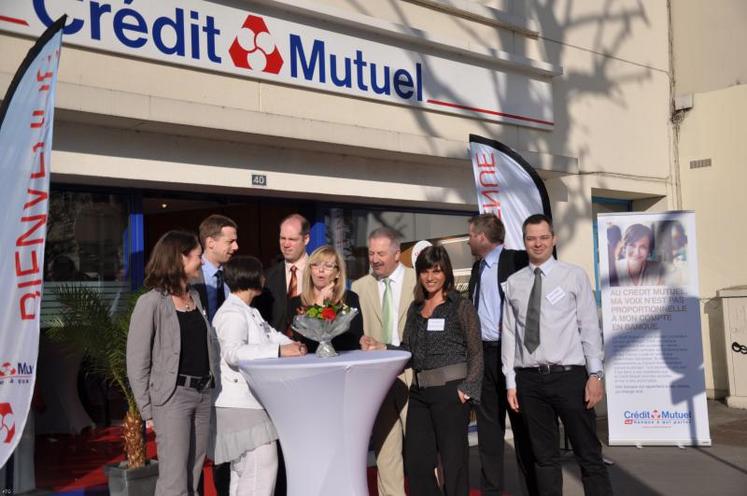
(552,359)
(385,295)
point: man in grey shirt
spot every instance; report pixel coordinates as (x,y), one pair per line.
(552,359)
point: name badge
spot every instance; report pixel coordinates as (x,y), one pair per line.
(555,295)
(436,324)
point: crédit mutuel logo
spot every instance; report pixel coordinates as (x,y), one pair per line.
(19,373)
(254,47)
(656,417)
(7,423)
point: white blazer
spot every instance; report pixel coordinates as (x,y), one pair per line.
(243,335)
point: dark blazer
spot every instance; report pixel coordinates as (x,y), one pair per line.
(198,284)
(349,340)
(509,262)
(273,302)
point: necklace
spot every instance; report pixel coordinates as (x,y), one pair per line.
(183,303)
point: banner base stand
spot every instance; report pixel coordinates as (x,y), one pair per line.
(664,442)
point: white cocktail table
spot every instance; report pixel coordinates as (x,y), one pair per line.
(324,410)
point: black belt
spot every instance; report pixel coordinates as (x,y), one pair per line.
(491,344)
(194,381)
(439,376)
(549,369)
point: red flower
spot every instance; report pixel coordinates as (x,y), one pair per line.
(329,314)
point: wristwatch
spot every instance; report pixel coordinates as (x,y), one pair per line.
(599,374)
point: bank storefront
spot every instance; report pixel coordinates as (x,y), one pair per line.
(355,116)
(170,111)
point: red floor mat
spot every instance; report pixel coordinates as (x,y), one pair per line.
(66,463)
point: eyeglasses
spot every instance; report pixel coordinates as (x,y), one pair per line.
(325,266)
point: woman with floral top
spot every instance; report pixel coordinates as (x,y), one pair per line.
(443,334)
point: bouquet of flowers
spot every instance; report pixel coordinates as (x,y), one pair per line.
(322,323)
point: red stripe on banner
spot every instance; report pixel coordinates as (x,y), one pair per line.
(490,112)
(13,20)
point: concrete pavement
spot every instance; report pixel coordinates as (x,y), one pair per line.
(651,471)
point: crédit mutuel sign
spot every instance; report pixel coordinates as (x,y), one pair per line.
(225,39)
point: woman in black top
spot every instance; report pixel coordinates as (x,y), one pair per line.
(324,281)
(443,334)
(172,358)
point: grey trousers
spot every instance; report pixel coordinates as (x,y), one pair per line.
(182,427)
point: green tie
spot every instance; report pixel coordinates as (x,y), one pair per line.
(387,311)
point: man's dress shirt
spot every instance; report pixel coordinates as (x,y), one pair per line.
(569,326)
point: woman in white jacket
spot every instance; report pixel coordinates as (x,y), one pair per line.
(245,435)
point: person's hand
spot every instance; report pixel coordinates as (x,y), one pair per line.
(513,400)
(327,292)
(594,391)
(293,349)
(463,398)
(149,425)
(370,344)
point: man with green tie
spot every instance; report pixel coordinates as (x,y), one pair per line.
(385,295)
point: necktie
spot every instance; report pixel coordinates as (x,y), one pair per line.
(387,311)
(476,296)
(220,289)
(293,283)
(532,328)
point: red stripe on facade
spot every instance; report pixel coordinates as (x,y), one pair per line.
(491,112)
(13,20)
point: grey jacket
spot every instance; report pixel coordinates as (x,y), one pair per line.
(153,349)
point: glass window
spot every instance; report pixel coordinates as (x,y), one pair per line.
(86,238)
(348,229)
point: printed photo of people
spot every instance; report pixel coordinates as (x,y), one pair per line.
(652,254)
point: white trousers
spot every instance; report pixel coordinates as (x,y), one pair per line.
(255,471)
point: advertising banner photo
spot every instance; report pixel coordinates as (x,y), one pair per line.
(648,264)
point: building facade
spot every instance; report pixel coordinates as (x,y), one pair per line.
(357,114)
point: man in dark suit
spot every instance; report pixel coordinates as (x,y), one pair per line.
(218,235)
(495,264)
(284,280)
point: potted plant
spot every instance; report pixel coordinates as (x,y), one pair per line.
(87,323)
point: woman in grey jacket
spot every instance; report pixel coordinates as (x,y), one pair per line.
(172,359)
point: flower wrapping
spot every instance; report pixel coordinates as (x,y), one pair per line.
(322,324)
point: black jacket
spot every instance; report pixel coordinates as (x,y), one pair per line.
(509,262)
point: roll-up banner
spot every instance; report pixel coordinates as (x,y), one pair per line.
(26,119)
(648,264)
(507,186)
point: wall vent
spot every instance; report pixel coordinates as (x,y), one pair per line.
(699,164)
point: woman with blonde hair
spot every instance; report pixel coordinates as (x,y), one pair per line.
(324,282)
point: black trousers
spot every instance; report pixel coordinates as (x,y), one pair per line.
(491,430)
(222,478)
(544,398)
(437,425)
